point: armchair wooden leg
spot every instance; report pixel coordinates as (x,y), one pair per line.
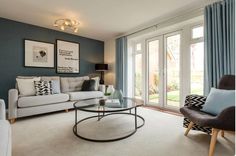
(222,133)
(189,128)
(213,141)
(12,121)
(67,110)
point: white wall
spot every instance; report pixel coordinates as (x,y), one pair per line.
(109,58)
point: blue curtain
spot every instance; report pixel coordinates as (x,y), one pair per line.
(121,61)
(219,42)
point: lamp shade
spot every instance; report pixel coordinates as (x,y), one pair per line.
(101,67)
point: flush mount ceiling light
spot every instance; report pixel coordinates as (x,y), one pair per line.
(67,24)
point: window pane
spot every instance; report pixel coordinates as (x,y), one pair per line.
(138,76)
(153,57)
(197,32)
(197,68)
(173,63)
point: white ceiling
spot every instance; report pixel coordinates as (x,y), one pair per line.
(99,19)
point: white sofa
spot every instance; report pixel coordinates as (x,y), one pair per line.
(5,132)
(21,106)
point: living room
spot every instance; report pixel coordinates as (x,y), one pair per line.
(107,77)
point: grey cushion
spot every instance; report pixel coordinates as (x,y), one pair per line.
(82,95)
(31,101)
(56,89)
(71,84)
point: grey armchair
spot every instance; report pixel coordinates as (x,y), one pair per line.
(198,120)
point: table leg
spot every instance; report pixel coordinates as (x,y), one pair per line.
(76,119)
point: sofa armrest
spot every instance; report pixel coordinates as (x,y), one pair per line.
(12,103)
(2,110)
(195,101)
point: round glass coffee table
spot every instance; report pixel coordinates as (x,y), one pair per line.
(125,107)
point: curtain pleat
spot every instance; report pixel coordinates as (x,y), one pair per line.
(121,52)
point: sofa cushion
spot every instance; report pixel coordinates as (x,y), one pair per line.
(218,100)
(82,95)
(31,101)
(5,138)
(43,87)
(88,85)
(71,84)
(56,87)
(26,86)
(97,79)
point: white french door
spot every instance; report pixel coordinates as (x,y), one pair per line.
(163,69)
(163,86)
(155,70)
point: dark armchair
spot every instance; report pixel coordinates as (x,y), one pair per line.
(198,120)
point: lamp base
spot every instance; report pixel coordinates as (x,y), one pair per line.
(101,81)
(102,78)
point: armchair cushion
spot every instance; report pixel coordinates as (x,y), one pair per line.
(218,100)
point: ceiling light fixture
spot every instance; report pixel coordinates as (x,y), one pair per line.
(67,24)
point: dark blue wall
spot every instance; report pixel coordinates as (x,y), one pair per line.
(13,33)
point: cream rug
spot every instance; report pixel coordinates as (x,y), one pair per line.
(162,135)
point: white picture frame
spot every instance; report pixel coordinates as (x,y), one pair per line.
(38,54)
(68,55)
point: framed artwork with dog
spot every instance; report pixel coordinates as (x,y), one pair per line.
(38,54)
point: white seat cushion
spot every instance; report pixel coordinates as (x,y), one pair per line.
(82,95)
(31,101)
(5,138)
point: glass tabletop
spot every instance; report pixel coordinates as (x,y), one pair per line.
(108,105)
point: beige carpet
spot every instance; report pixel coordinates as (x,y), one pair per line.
(162,135)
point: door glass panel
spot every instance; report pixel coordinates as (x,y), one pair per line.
(153,72)
(173,70)
(197,68)
(138,76)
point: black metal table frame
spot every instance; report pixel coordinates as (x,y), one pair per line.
(104,114)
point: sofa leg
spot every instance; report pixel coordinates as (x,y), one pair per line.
(222,133)
(189,128)
(12,121)
(213,141)
(67,110)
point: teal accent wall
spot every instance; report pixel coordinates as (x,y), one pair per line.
(12,35)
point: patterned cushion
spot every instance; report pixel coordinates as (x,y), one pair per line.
(43,87)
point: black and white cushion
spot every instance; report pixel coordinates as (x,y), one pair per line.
(43,87)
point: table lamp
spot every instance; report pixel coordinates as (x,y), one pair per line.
(101,68)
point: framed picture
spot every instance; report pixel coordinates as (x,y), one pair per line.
(67,57)
(39,54)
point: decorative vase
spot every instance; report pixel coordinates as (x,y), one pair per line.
(102,102)
(110,89)
(117,94)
